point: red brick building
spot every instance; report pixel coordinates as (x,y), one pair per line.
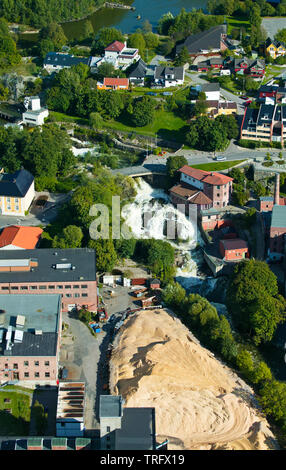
(30,338)
(70,273)
(233,249)
(215,188)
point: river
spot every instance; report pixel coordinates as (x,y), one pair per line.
(126,20)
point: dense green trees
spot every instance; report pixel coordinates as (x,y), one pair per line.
(208,134)
(253,299)
(43,12)
(44,152)
(174,163)
(142,111)
(8,51)
(71,237)
(104,37)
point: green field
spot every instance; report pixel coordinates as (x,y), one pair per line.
(236,23)
(219,166)
(15,423)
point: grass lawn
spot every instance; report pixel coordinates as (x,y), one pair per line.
(236,23)
(166,125)
(219,166)
(17,422)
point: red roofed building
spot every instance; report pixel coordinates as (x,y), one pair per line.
(233,249)
(115,46)
(18,237)
(216,186)
(113,84)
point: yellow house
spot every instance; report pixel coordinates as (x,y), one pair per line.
(17,192)
(274,48)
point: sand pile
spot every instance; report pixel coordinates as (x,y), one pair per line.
(200,403)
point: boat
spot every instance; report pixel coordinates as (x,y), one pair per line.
(138,17)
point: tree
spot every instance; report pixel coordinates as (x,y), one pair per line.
(106,256)
(174,295)
(281,35)
(261,373)
(143,111)
(230,125)
(253,299)
(105,70)
(95,121)
(273,399)
(183,57)
(137,41)
(244,362)
(151,40)
(71,237)
(84,315)
(147,27)
(125,248)
(87,30)
(55,33)
(174,163)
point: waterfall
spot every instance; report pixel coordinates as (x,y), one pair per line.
(148,216)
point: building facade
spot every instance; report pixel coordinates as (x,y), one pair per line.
(30,329)
(70,273)
(17,191)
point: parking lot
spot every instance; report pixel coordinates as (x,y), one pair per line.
(85,355)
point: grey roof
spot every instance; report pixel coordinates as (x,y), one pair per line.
(250,119)
(83,259)
(266,198)
(250,62)
(274,41)
(265,115)
(16,184)
(110,406)
(41,313)
(64,60)
(278,219)
(137,70)
(137,430)
(210,87)
(161,72)
(205,40)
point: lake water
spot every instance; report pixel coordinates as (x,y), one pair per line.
(126,20)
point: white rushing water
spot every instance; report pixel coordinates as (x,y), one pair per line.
(149,215)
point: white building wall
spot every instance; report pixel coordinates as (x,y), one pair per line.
(27,201)
(192,181)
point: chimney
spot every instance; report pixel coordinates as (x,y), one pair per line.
(277,189)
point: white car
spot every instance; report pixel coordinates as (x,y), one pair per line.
(220,158)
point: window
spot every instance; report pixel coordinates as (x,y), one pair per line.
(16,199)
(6,365)
(67,287)
(76,287)
(68,295)
(42,287)
(84,295)
(59,287)
(26,374)
(14,288)
(33,287)
(24,288)
(76,295)
(36,363)
(37,374)
(51,287)
(47,363)
(5,288)
(26,363)
(84,286)
(8,199)
(107,428)
(47,374)
(15,366)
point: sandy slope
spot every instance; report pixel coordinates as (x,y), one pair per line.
(200,403)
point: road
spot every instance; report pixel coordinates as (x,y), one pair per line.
(195,77)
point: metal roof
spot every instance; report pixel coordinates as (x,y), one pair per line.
(278,219)
(16,184)
(110,406)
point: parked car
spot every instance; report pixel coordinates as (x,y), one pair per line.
(244,97)
(220,158)
(247,102)
(167,93)
(152,93)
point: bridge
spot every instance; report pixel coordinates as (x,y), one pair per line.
(144,170)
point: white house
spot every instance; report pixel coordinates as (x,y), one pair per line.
(169,76)
(120,55)
(34,114)
(212,91)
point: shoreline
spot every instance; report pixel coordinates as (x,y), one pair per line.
(104,5)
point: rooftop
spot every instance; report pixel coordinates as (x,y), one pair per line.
(110,406)
(15,184)
(50,265)
(115,46)
(20,236)
(234,244)
(209,177)
(134,437)
(24,315)
(278,219)
(109,81)
(64,60)
(204,40)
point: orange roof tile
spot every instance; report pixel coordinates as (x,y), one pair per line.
(210,177)
(115,46)
(20,236)
(116,81)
